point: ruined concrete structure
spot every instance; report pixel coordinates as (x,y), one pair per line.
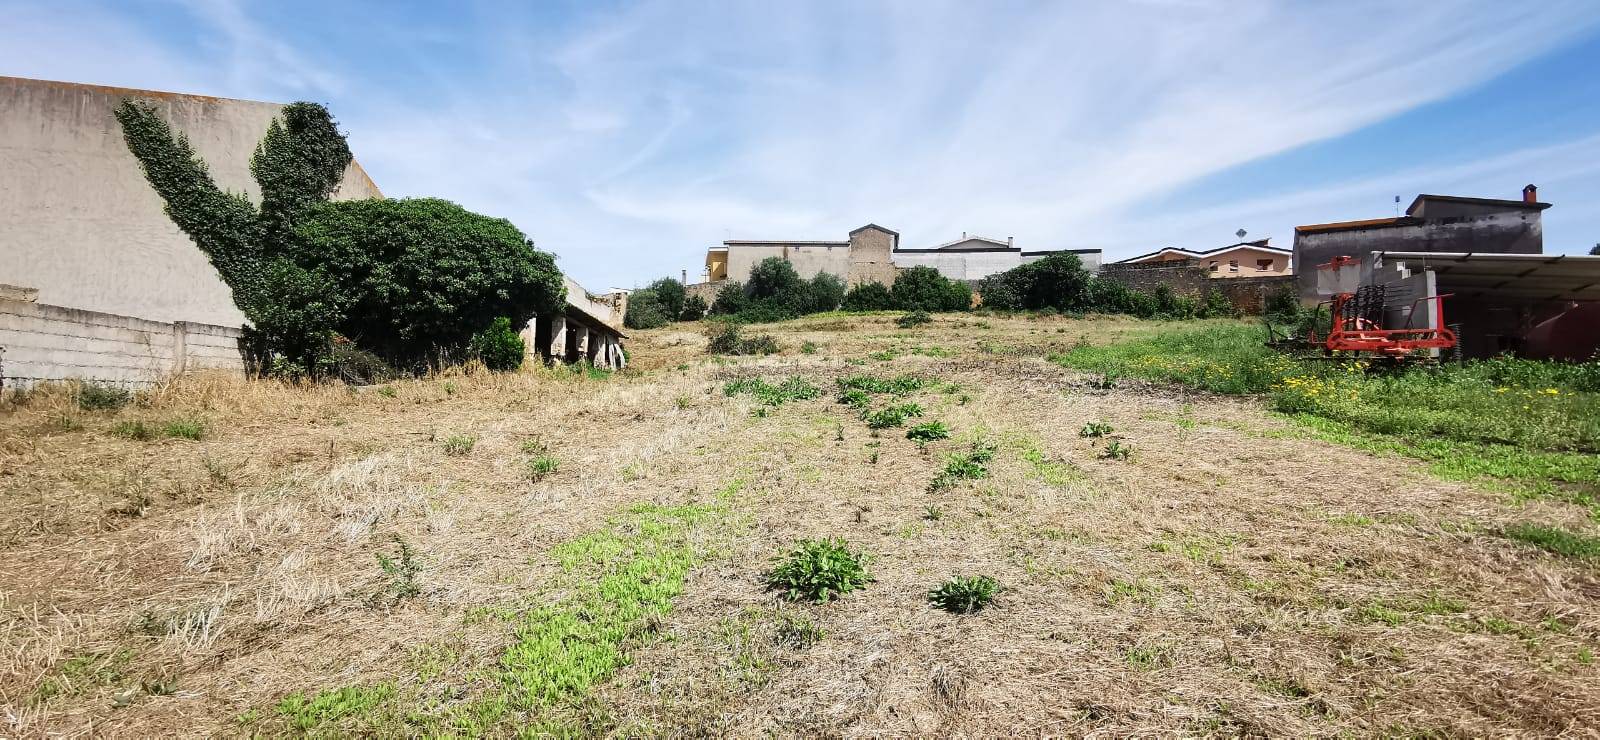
(104,285)
(1433,223)
(873,254)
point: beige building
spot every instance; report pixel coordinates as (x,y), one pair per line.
(1242,259)
(873,254)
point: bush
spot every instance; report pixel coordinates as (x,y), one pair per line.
(964,595)
(819,571)
(826,293)
(670,295)
(915,318)
(726,338)
(349,363)
(646,311)
(694,308)
(99,397)
(499,347)
(923,288)
(871,296)
(1217,306)
(731,299)
(411,280)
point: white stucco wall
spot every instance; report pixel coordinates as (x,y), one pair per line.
(808,259)
(960,265)
(79,222)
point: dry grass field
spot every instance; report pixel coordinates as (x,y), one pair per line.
(561,553)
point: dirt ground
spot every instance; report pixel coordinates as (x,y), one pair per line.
(1232,576)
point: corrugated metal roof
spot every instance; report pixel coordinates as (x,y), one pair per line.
(1532,277)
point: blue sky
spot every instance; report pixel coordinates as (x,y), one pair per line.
(627,137)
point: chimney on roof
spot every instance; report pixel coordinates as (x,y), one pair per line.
(1009,240)
(1530,193)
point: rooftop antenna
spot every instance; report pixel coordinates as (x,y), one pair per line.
(1397,206)
(1240,233)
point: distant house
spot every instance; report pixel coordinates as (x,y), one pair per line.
(873,254)
(1240,259)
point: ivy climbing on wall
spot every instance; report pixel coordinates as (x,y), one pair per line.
(410,280)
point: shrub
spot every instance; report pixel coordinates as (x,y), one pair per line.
(456,445)
(409,279)
(351,364)
(915,318)
(694,308)
(726,338)
(670,295)
(964,595)
(191,429)
(923,288)
(1217,306)
(873,296)
(100,397)
(928,432)
(730,300)
(499,347)
(819,571)
(825,293)
(646,311)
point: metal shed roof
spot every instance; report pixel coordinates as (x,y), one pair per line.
(1531,277)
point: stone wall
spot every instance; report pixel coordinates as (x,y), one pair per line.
(1185,277)
(1249,294)
(40,342)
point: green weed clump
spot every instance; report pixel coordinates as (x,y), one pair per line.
(791,389)
(964,594)
(402,570)
(190,429)
(542,466)
(1095,429)
(891,416)
(899,385)
(1116,450)
(332,710)
(914,318)
(969,465)
(101,397)
(457,445)
(819,571)
(928,432)
(134,429)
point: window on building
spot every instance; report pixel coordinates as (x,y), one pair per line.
(1233,265)
(1263,265)
(1213,265)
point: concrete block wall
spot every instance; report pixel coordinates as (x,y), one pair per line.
(40,342)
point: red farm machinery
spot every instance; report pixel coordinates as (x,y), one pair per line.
(1358,320)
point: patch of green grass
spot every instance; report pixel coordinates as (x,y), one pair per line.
(932,513)
(457,445)
(134,429)
(808,347)
(1352,520)
(388,391)
(1055,473)
(335,712)
(797,631)
(964,594)
(1555,539)
(1534,422)
(1149,657)
(82,673)
(819,571)
(791,389)
(190,429)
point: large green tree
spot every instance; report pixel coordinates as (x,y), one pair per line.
(412,280)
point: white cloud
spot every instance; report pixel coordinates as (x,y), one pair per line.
(629,140)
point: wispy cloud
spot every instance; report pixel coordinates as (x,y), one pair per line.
(630,138)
